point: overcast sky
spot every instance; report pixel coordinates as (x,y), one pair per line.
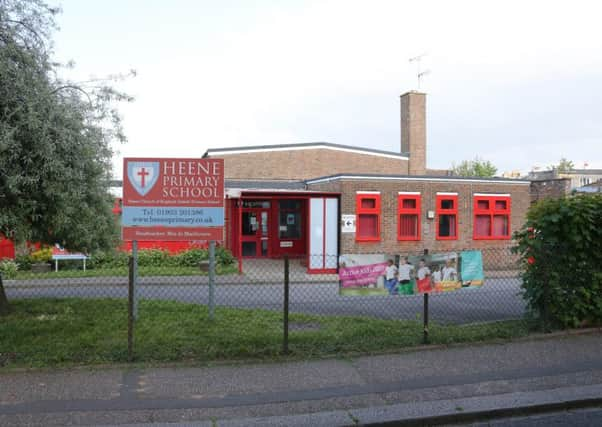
(518,83)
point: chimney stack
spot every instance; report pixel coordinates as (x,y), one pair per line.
(413,131)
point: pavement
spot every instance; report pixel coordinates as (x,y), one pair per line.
(425,386)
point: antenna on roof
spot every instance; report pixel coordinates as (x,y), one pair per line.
(419,74)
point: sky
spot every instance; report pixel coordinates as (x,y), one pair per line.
(518,83)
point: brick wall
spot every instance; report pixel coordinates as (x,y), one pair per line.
(550,188)
(520,199)
(308,163)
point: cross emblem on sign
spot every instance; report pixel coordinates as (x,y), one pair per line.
(143,175)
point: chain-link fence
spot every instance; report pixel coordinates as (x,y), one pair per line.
(244,306)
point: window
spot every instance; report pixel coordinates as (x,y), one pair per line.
(408,216)
(289,219)
(491,216)
(447,216)
(368,216)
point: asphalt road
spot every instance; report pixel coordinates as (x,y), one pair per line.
(498,299)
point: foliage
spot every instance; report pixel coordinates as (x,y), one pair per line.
(191,257)
(41,255)
(476,167)
(24,261)
(111,258)
(8,268)
(65,332)
(563,166)
(55,136)
(561,248)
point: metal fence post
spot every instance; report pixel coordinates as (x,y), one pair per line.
(211,279)
(130,309)
(285,305)
(425,314)
(135,277)
(425,327)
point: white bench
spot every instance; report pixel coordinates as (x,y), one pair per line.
(57,258)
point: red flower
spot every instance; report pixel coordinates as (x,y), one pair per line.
(531,260)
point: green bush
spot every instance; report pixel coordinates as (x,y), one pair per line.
(108,259)
(154,257)
(223,256)
(561,248)
(8,268)
(23,261)
(190,257)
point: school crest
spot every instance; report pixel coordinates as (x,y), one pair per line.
(143,176)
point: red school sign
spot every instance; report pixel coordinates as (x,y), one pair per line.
(173,199)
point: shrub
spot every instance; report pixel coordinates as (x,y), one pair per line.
(108,259)
(190,257)
(223,256)
(560,246)
(23,261)
(41,255)
(8,268)
(153,257)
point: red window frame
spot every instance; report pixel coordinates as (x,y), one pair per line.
(444,211)
(491,210)
(372,211)
(416,211)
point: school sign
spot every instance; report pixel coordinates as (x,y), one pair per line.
(173,199)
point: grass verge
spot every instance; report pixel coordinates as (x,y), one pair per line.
(123,271)
(67,332)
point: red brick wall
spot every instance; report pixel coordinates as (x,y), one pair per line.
(520,199)
(309,163)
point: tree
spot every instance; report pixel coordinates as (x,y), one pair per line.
(563,166)
(476,167)
(55,135)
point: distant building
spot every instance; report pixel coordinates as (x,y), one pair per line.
(577,177)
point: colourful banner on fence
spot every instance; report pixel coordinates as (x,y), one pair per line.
(388,274)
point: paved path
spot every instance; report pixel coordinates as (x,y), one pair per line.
(441,384)
(499,299)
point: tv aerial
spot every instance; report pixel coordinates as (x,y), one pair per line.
(419,73)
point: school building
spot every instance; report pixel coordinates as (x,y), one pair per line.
(321,200)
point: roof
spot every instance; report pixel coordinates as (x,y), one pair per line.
(265,184)
(416,178)
(304,146)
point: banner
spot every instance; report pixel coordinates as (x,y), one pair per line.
(388,274)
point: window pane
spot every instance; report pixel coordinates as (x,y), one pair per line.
(249,223)
(368,203)
(368,225)
(483,204)
(483,225)
(501,204)
(289,225)
(447,225)
(249,248)
(447,204)
(500,225)
(408,204)
(408,225)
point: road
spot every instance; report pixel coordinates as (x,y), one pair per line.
(499,299)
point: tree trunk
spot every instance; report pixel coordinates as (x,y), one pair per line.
(4,307)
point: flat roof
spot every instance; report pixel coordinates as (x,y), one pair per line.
(304,146)
(338,177)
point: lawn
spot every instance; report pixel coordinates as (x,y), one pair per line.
(68,332)
(123,271)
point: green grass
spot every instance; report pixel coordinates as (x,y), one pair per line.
(67,332)
(123,271)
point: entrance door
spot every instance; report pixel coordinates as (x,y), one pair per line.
(255,231)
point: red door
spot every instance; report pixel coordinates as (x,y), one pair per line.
(255,232)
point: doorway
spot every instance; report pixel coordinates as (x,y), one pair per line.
(255,231)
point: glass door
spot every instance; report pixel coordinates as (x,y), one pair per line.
(255,232)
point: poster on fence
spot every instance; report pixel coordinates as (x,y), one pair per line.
(398,274)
